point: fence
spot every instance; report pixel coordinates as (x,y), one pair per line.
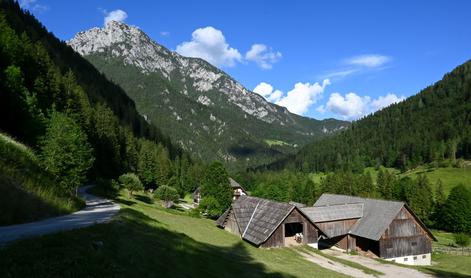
(466,251)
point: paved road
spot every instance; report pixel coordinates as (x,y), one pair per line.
(97,210)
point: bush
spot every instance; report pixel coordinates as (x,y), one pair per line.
(461,239)
(167,194)
(210,207)
(131,182)
(108,188)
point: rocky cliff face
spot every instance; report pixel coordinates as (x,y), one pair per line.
(200,106)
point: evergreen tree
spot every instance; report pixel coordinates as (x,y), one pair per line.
(65,152)
(215,184)
(455,214)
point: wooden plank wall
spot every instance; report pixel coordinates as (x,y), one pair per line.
(277,238)
(404,237)
(336,228)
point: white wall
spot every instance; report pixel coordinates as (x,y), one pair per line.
(423,259)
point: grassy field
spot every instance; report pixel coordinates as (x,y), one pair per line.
(27,192)
(449,176)
(446,265)
(276,143)
(145,240)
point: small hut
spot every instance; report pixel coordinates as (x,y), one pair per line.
(266,223)
(238,189)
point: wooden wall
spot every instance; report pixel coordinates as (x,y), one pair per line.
(336,228)
(231,224)
(277,238)
(404,237)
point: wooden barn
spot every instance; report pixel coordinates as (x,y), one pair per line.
(266,223)
(381,228)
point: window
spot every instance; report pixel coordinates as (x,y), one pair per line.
(415,258)
(406,259)
(414,243)
(424,256)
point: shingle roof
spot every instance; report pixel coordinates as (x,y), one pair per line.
(334,212)
(377,214)
(234,184)
(258,218)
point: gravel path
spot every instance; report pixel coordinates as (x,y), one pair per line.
(389,270)
(97,210)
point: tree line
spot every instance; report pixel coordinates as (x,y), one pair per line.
(433,207)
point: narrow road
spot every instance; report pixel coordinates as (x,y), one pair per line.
(97,210)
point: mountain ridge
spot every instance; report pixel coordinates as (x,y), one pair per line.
(178,93)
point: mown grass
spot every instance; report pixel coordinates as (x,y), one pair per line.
(145,240)
(449,176)
(276,142)
(352,264)
(27,192)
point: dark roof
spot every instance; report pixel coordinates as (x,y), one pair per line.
(377,214)
(334,212)
(220,221)
(257,218)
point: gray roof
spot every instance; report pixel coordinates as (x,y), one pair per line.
(298,205)
(258,218)
(377,214)
(235,184)
(334,212)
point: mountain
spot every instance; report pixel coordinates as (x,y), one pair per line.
(201,107)
(432,126)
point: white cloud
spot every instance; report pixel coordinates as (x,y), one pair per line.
(384,101)
(352,106)
(321,109)
(266,91)
(210,44)
(339,74)
(298,100)
(264,57)
(33,5)
(369,60)
(116,15)
(165,33)
(349,107)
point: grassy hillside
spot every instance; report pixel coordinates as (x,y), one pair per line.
(449,176)
(26,191)
(145,240)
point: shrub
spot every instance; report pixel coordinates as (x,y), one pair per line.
(131,182)
(167,194)
(210,207)
(461,239)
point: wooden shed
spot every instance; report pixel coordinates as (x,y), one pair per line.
(268,223)
(386,229)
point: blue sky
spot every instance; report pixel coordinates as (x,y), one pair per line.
(339,59)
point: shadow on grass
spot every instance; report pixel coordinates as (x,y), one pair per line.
(124,201)
(133,245)
(144,199)
(444,274)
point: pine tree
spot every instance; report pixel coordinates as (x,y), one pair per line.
(65,152)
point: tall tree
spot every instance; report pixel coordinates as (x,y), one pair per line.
(455,214)
(215,184)
(65,152)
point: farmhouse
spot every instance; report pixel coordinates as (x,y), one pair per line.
(266,223)
(381,228)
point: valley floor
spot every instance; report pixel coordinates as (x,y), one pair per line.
(145,240)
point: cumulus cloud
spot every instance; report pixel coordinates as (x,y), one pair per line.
(116,15)
(352,106)
(210,44)
(298,100)
(264,56)
(33,5)
(370,60)
(384,101)
(266,91)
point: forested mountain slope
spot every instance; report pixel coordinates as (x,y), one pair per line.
(40,75)
(202,108)
(433,125)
